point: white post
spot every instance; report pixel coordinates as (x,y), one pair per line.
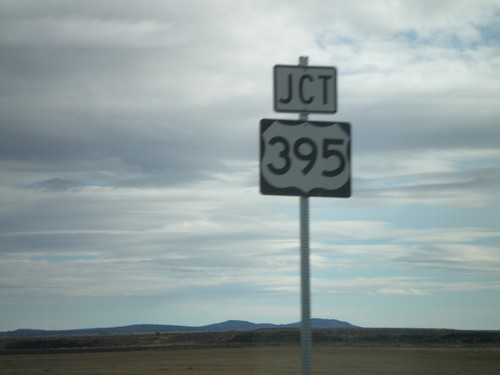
(305,333)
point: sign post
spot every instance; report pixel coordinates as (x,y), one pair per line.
(305,158)
(305,274)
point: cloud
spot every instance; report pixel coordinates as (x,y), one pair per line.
(58,184)
(455,256)
(95,33)
(129,149)
(399,286)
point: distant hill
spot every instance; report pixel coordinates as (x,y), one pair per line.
(227,326)
(239,325)
(323,323)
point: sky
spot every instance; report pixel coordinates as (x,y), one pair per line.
(129,163)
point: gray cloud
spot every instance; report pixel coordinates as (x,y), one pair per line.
(58,184)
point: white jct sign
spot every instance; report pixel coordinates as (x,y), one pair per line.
(305,158)
(310,89)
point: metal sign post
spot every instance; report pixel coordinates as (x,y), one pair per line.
(305,286)
(305,333)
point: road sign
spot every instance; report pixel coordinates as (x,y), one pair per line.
(305,158)
(310,89)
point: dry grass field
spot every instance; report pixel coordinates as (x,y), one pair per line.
(260,360)
(337,352)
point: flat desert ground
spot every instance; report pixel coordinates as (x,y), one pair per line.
(262,360)
(375,352)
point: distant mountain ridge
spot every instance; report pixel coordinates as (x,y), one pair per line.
(227,326)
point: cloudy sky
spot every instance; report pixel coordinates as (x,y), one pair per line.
(129,163)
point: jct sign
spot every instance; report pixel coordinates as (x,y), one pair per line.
(305,89)
(311,158)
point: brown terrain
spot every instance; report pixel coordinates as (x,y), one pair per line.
(276,351)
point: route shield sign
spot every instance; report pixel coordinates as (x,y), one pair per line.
(305,158)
